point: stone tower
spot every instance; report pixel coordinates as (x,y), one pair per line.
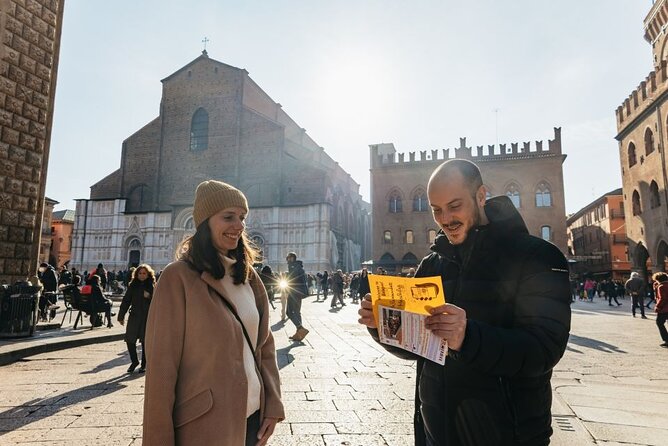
(29,47)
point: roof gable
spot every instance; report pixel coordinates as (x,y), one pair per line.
(203,57)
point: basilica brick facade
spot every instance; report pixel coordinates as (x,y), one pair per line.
(403,227)
(642,125)
(29,48)
(216,122)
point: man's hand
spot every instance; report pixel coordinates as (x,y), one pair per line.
(366,312)
(448,322)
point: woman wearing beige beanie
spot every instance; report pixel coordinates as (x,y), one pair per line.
(211,376)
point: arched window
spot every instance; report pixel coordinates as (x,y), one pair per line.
(635,202)
(546,233)
(420,202)
(409,237)
(632,155)
(395,203)
(387,237)
(514,194)
(543,196)
(189,225)
(654,197)
(199,130)
(649,141)
(431,236)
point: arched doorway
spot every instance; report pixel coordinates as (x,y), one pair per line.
(134,253)
(388,262)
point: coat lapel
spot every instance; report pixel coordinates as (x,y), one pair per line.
(216,285)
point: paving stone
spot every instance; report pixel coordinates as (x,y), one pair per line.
(313,428)
(322,416)
(310,405)
(296,440)
(381,427)
(358,405)
(354,440)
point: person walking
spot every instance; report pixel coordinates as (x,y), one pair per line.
(325,285)
(211,372)
(137,300)
(611,292)
(635,287)
(296,291)
(337,289)
(660,284)
(506,320)
(364,285)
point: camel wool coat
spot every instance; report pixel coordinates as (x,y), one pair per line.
(196,387)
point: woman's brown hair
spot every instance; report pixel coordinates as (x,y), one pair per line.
(199,250)
(151,275)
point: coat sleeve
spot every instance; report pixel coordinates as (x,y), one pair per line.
(273,407)
(164,346)
(542,316)
(125,305)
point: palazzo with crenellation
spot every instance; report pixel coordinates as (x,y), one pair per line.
(403,227)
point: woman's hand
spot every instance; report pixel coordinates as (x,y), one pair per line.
(266,429)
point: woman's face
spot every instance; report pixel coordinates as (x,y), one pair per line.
(226,228)
(142,274)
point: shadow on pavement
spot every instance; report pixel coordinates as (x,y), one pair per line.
(277,326)
(594,343)
(123,358)
(38,409)
(283,356)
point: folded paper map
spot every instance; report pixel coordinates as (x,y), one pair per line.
(400,307)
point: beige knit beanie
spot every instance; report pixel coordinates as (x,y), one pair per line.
(213,196)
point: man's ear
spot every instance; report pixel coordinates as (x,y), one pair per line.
(481,195)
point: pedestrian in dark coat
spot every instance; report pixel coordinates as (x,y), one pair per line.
(364,284)
(137,299)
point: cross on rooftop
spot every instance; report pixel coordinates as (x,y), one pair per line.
(205,41)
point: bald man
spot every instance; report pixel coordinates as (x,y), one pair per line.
(506,320)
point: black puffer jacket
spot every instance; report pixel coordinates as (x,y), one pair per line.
(515,290)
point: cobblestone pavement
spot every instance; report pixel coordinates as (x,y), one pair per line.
(340,388)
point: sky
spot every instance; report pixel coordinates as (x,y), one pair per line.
(419,74)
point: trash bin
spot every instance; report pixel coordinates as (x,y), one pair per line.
(18,310)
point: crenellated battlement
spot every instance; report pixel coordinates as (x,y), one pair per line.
(651,88)
(385,154)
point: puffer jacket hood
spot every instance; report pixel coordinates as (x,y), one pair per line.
(502,216)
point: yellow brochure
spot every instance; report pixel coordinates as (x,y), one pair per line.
(406,293)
